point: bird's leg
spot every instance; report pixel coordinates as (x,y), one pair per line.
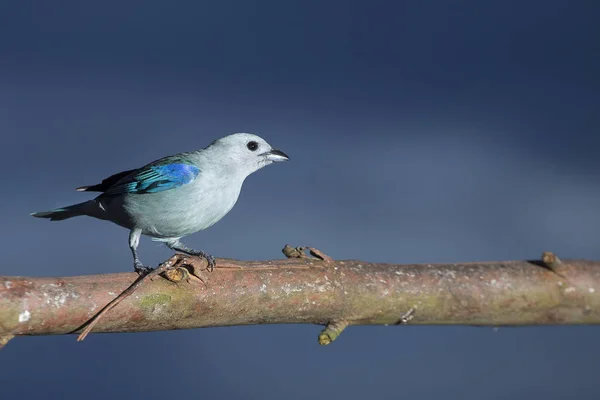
(178,246)
(134,240)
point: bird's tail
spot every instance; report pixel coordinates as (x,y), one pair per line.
(62,213)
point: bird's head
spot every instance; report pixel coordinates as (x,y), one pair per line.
(245,153)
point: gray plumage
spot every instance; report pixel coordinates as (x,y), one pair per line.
(178,195)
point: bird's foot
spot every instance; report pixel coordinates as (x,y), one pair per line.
(140,268)
(209,259)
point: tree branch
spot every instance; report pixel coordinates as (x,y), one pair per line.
(310,290)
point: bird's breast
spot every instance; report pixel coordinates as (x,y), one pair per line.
(185,210)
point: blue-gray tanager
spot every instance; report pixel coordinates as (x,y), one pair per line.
(177,195)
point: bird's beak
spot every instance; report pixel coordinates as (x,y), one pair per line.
(276,155)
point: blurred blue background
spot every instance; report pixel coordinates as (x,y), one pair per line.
(419,131)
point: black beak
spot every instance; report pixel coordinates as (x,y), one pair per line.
(276,155)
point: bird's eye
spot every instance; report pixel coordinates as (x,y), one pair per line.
(252,146)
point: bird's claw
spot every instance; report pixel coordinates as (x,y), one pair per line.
(211,261)
(141,269)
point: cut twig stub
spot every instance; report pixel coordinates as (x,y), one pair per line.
(294,252)
(554,263)
(177,274)
(332,331)
(319,254)
(5,339)
(300,252)
(407,316)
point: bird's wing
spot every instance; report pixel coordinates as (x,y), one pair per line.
(164,174)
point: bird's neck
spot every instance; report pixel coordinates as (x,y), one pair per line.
(221,166)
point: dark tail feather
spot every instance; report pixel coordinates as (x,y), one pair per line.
(61,213)
(93,188)
(106,183)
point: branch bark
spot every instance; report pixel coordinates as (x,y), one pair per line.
(311,290)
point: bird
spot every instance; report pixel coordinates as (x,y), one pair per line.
(177,195)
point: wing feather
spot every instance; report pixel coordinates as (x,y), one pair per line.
(155,178)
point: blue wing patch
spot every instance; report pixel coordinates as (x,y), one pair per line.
(155,178)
